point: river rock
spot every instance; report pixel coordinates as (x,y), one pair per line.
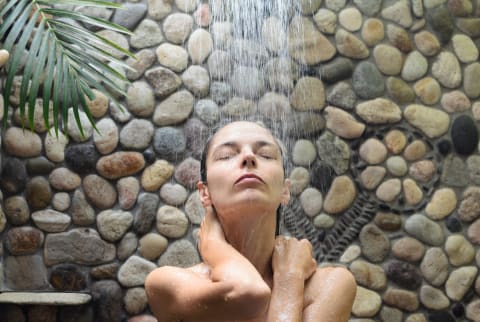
(152,245)
(469,26)
(459,282)
(399,37)
(367,303)
(177,27)
(442,23)
(464,135)
(351,253)
(156,175)
(427,43)
(163,80)
(106,139)
(424,229)
(350,46)
(171,222)
(135,300)
(342,95)
(367,81)
(120,164)
(127,246)
(455,101)
(144,59)
(402,299)
(81,246)
(174,109)
(388,221)
(469,208)
(343,124)
(306,44)
(412,192)
(134,271)
(400,91)
(375,244)
(326,21)
(432,122)
(464,48)
(388,59)
(408,249)
(196,80)
(442,203)
(434,266)
(200,45)
(397,166)
(140,99)
(180,253)
(127,189)
(428,90)
(433,298)
(373,31)
(51,221)
(369,275)
(169,142)
(404,274)
(308,95)
(373,151)
(340,196)
(64,179)
(379,111)
(473,232)
(454,172)
(446,69)
(471,80)
(22,143)
(334,152)
(82,213)
(415,66)
(81,158)
(350,19)
(55,146)
(23,240)
(99,191)
(395,140)
(18,273)
(16,210)
(399,12)
(459,250)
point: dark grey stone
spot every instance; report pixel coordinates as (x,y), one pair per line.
(39,166)
(334,152)
(82,313)
(130,15)
(163,80)
(442,23)
(107,301)
(220,92)
(147,210)
(321,176)
(455,172)
(305,125)
(404,274)
(81,158)
(197,134)
(464,135)
(342,95)
(440,316)
(14,176)
(81,246)
(339,69)
(169,143)
(367,81)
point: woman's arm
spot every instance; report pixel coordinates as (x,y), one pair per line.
(292,265)
(235,288)
(329,294)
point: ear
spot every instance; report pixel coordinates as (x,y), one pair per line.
(204,194)
(285,192)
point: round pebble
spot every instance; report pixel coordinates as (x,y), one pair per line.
(389,190)
(459,282)
(311,200)
(323,221)
(373,151)
(459,250)
(373,31)
(427,43)
(299,179)
(173,194)
(397,166)
(395,140)
(350,254)
(152,245)
(350,19)
(372,176)
(341,195)
(428,90)
(442,203)
(171,222)
(375,244)
(435,266)
(424,229)
(61,201)
(408,249)
(412,192)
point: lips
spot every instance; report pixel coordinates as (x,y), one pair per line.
(249,177)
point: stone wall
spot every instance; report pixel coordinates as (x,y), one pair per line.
(376,102)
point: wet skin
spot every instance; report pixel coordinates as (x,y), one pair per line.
(247,273)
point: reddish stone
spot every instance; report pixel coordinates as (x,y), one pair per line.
(120,164)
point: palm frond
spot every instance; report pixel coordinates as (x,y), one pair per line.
(64,61)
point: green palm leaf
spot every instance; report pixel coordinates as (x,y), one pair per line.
(64,61)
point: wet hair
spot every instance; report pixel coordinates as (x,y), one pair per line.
(203,164)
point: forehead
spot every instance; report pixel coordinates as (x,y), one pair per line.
(242,132)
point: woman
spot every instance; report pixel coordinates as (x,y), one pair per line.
(247,274)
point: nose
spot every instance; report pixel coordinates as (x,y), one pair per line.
(248,158)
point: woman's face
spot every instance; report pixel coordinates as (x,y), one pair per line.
(244,170)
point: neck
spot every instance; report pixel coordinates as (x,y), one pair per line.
(254,237)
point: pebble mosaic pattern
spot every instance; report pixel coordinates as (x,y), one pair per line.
(377,104)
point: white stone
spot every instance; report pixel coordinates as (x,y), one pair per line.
(200,45)
(311,200)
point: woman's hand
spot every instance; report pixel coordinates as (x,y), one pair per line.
(293,257)
(4,55)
